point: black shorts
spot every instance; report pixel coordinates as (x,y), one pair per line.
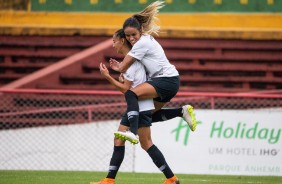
(166,87)
(145,119)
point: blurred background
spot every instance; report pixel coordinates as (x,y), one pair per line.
(58,113)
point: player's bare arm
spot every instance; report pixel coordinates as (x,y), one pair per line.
(121,86)
(122,66)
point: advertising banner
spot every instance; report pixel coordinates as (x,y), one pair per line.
(228,142)
(244,142)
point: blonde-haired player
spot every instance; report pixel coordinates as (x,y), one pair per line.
(164,81)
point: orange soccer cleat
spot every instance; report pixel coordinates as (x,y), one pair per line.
(105,181)
(172,180)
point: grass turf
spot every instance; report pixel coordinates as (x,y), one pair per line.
(83,177)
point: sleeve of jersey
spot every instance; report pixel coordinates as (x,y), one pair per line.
(138,50)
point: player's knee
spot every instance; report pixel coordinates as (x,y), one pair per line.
(118,142)
(145,145)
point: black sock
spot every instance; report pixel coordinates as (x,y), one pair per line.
(132,110)
(116,161)
(159,161)
(166,114)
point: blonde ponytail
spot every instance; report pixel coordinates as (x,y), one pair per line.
(148,18)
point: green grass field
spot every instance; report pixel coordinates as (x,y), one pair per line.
(82,177)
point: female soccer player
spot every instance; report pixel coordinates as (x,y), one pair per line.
(133,76)
(163,83)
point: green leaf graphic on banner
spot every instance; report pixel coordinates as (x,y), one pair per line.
(183,127)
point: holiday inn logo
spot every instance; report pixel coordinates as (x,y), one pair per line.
(222,130)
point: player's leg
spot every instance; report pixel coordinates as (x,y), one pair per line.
(146,143)
(118,154)
(166,89)
(163,114)
(116,160)
(126,135)
(131,96)
(145,91)
(156,155)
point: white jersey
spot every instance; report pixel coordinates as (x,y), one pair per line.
(151,54)
(137,74)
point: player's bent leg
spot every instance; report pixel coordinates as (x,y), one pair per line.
(189,116)
(145,91)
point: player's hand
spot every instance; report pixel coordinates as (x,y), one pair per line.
(121,78)
(104,70)
(114,64)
